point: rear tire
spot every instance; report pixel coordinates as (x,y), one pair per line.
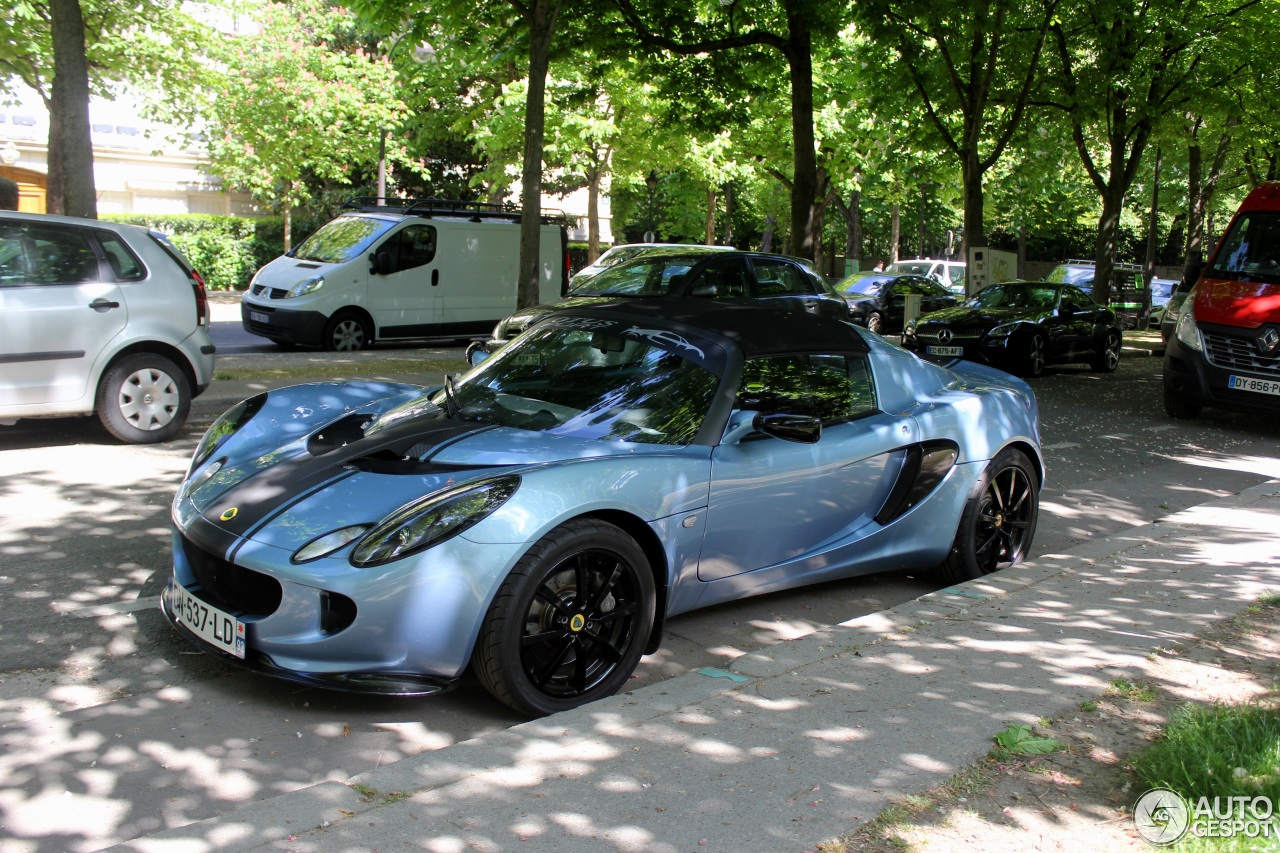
(570,623)
(998,522)
(144,399)
(347,331)
(1108,359)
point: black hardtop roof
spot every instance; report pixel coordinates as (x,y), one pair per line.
(755,330)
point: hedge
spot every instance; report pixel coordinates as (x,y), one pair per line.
(226,250)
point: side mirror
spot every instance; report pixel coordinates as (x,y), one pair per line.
(705,289)
(476,353)
(805,429)
(1066,309)
(380,263)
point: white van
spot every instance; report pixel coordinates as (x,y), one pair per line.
(421,269)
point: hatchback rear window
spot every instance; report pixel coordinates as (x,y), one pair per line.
(124,264)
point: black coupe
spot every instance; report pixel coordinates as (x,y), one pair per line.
(1021,326)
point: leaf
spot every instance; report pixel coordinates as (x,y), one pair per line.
(1018,738)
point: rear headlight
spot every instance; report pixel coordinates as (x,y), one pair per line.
(202,298)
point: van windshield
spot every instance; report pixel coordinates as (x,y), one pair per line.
(1251,249)
(341,239)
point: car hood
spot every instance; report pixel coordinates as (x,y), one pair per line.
(984,318)
(285,272)
(242,485)
(1237,303)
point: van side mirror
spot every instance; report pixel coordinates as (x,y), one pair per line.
(380,263)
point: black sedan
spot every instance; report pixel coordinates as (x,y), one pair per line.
(1022,326)
(878,300)
(701,272)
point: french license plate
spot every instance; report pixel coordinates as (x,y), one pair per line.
(259,317)
(945,350)
(218,629)
(1260,386)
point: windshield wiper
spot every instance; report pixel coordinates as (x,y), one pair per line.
(451,405)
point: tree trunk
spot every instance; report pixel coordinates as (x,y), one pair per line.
(1022,251)
(895,230)
(593,215)
(1193,249)
(711,215)
(805,243)
(71,101)
(971,172)
(1153,223)
(288,219)
(728,214)
(54,180)
(541,18)
(1104,247)
(766,239)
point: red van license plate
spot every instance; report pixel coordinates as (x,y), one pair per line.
(1259,386)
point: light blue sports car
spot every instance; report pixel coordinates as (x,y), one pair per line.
(541,517)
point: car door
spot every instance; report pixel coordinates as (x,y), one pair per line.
(773,501)
(782,284)
(402,295)
(59,308)
(1080,325)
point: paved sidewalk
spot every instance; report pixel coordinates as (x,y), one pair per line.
(802,742)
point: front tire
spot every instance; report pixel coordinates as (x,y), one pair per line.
(144,399)
(347,331)
(570,623)
(1108,359)
(999,519)
(1035,355)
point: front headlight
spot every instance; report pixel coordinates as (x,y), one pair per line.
(909,330)
(323,546)
(1187,330)
(225,427)
(431,520)
(1002,331)
(304,287)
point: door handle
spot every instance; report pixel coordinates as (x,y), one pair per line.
(103,305)
(435,276)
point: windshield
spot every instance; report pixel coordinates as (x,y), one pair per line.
(1063,274)
(1015,296)
(341,239)
(1251,249)
(862,282)
(910,267)
(604,381)
(644,276)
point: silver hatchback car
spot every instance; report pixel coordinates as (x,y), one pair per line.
(98,317)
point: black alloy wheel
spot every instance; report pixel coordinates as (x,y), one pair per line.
(1035,355)
(999,519)
(570,622)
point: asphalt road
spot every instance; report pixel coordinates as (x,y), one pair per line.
(113,727)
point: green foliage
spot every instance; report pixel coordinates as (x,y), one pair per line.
(1217,751)
(1019,739)
(226,250)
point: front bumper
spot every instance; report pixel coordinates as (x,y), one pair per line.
(285,325)
(1192,376)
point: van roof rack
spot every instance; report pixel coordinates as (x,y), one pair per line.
(428,207)
(1088,262)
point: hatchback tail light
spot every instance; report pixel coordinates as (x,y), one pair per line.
(202,298)
(564,273)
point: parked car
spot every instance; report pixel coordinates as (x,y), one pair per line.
(97,317)
(1161,292)
(1225,349)
(1169,314)
(625,252)
(1022,326)
(950,274)
(423,269)
(878,300)
(539,519)
(703,272)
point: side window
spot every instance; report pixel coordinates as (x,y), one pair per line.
(60,256)
(1078,296)
(411,247)
(833,388)
(721,280)
(124,264)
(901,288)
(13,258)
(779,278)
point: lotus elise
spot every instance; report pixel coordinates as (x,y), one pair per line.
(540,517)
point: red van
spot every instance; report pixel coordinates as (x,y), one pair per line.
(1225,348)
